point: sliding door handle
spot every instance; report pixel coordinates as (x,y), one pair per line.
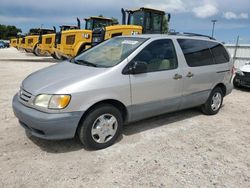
(190,75)
(177,76)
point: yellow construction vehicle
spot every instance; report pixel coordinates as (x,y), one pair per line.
(13,42)
(142,20)
(70,43)
(46,43)
(21,42)
(31,40)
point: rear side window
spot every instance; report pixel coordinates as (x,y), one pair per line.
(196,52)
(30,41)
(48,40)
(159,55)
(219,52)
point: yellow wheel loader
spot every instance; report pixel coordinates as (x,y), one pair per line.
(46,43)
(139,21)
(70,43)
(31,41)
(13,42)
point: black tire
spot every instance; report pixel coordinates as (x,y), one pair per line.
(236,84)
(36,51)
(207,107)
(85,126)
(54,56)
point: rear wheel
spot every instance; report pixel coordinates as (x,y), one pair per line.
(54,56)
(101,127)
(36,51)
(214,102)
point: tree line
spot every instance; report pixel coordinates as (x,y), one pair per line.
(8,31)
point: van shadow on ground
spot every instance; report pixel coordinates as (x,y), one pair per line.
(64,146)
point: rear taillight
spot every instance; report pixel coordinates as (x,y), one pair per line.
(233,70)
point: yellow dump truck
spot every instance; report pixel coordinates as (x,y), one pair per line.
(70,43)
(13,42)
(142,20)
(31,41)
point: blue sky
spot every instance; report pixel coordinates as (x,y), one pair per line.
(187,16)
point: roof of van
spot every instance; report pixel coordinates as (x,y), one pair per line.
(171,36)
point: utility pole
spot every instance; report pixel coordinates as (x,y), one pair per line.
(213,21)
(236,48)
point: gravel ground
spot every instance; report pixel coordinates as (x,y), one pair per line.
(182,149)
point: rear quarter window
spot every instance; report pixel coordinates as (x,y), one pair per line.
(196,52)
(219,52)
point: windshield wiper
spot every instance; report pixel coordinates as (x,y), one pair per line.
(83,62)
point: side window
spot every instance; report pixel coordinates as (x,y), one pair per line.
(219,52)
(158,55)
(70,39)
(157,21)
(196,52)
(147,21)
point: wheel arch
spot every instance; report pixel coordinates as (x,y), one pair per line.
(117,104)
(223,88)
(80,47)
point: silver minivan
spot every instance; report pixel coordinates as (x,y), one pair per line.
(122,80)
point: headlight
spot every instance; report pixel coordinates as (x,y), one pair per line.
(52,101)
(239,72)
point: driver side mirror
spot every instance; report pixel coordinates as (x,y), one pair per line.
(137,67)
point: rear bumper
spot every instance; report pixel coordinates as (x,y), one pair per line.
(229,88)
(46,125)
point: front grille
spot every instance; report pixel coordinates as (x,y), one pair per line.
(247,74)
(24,96)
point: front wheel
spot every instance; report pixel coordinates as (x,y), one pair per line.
(214,102)
(101,127)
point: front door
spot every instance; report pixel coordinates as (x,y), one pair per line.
(158,90)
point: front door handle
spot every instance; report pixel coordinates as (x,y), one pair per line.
(190,75)
(177,76)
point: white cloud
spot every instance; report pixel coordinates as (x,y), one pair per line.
(231,15)
(170,6)
(205,11)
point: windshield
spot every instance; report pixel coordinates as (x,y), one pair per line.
(109,53)
(92,24)
(137,18)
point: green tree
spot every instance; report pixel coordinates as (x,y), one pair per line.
(114,21)
(8,31)
(165,24)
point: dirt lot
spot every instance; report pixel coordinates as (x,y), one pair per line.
(183,149)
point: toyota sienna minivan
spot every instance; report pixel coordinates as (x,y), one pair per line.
(122,80)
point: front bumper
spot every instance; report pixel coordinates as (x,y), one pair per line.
(242,80)
(50,126)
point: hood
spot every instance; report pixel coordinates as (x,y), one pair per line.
(56,77)
(245,68)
